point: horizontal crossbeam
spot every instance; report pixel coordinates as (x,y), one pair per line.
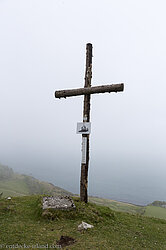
(89,90)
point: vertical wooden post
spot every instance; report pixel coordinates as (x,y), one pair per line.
(86,118)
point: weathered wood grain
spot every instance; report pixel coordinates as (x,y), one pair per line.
(89,90)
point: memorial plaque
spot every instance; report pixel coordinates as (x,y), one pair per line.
(83,128)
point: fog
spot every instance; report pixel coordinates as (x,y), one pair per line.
(42,48)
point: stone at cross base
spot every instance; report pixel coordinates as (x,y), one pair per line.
(58,203)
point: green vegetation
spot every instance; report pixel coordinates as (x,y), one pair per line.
(118,206)
(158,203)
(23,222)
(12,184)
(157,212)
(5,172)
(155,209)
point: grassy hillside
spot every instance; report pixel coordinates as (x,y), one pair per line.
(118,206)
(23,224)
(157,212)
(155,209)
(12,184)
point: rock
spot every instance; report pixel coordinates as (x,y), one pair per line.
(84,226)
(58,202)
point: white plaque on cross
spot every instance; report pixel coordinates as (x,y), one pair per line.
(84,149)
(83,128)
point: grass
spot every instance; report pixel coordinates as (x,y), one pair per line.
(22,222)
(13,187)
(118,206)
(157,212)
(12,184)
(150,210)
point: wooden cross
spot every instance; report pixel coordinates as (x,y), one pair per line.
(87,91)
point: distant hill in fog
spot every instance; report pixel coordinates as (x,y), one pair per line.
(13,184)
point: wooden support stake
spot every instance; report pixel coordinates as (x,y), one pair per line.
(86,118)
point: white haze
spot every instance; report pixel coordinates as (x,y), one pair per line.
(42,49)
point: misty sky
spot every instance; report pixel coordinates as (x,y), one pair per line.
(42,49)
